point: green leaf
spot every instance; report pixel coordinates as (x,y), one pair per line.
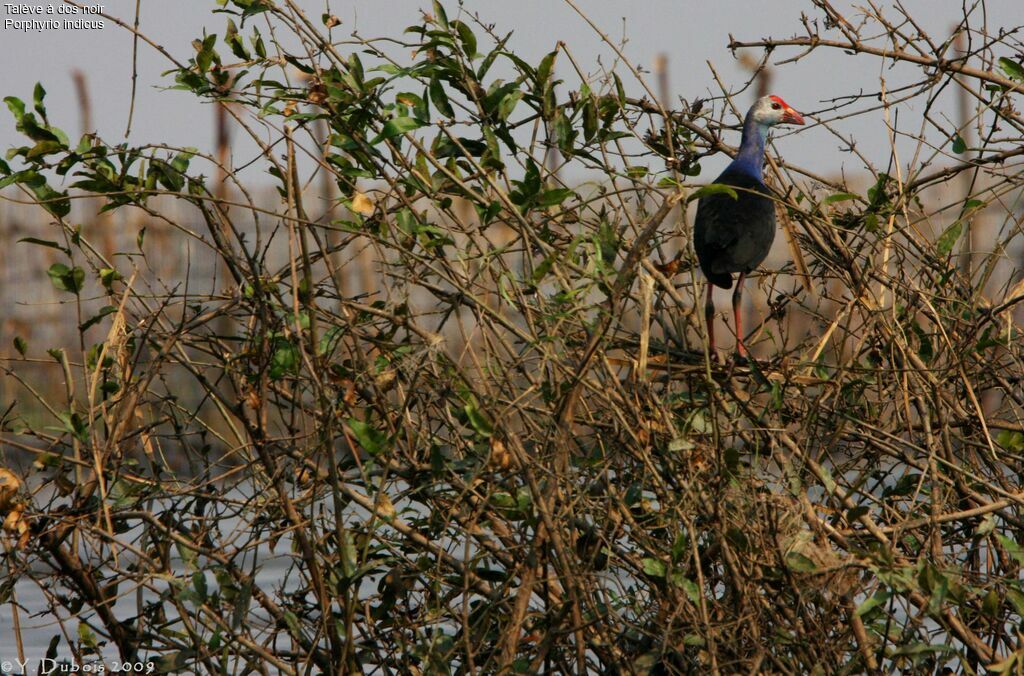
(104,311)
(938,597)
(467,38)
(16,106)
(607,242)
(329,341)
(798,563)
(257,43)
(38,94)
(564,133)
(1011,440)
(396,127)
(840,197)
(172,663)
(292,620)
(45,242)
(285,360)
(74,424)
(372,440)
(541,271)
(205,53)
(86,635)
(16,177)
(508,104)
(620,90)
(199,585)
(44,148)
(20,345)
(990,603)
(241,605)
(1012,548)
(654,567)
(235,42)
(879,598)
(712,189)
(55,202)
(492,156)
(949,238)
(958,144)
(440,15)
(478,420)
(1013,70)
(349,555)
(987,525)
(108,276)
(65,278)
(440,98)
(689,586)
(553,197)
(1016,598)
(589,119)
(544,71)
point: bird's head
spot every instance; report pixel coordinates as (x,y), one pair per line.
(771,110)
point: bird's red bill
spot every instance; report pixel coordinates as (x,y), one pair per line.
(789,116)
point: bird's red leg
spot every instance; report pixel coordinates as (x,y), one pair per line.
(737,302)
(709,320)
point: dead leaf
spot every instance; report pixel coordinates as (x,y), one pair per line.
(1015,293)
(361,204)
(384,507)
(500,457)
(10,484)
(16,524)
(670,268)
(253,399)
(385,379)
(317,92)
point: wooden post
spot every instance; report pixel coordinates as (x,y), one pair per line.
(661,71)
(966,178)
(96,224)
(223,140)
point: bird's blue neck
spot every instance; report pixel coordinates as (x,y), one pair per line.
(750,158)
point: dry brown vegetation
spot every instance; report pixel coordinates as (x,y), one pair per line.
(463,407)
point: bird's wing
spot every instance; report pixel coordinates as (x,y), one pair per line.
(718,222)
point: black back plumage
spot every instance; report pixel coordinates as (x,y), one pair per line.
(734,235)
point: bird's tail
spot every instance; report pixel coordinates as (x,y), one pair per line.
(722,279)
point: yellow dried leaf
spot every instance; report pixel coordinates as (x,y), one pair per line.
(10,484)
(500,456)
(253,399)
(15,520)
(15,524)
(385,379)
(361,204)
(385,508)
(317,92)
(290,108)
(332,21)
(1015,293)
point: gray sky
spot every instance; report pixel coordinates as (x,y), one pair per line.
(690,33)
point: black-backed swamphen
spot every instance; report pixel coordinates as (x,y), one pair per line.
(735,235)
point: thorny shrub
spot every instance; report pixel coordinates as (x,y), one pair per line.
(513,454)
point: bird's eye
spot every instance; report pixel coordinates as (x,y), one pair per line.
(776,106)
